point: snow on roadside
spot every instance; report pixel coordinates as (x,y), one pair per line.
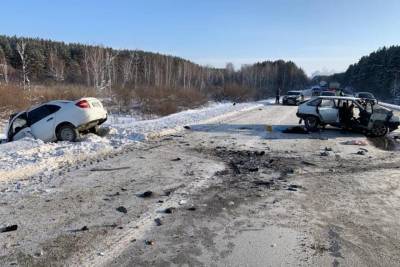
(29,157)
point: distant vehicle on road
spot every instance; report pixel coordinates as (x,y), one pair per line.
(57,120)
(348,113)
(316,91)
(292,98)
(366,96)
(328,93)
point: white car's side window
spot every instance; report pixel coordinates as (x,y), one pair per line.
(326,103)
(19,123)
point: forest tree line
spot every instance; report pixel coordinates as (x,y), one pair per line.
(378,73)
(30,61)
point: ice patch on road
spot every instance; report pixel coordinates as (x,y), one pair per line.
(28,157)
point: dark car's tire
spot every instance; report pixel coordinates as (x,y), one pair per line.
(379,130)
(67,132)
(311,123)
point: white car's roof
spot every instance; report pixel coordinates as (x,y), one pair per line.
(60,102)
(56,102)
(352,98)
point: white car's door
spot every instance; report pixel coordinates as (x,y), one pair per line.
(26,132)
(328,111)
(42,122)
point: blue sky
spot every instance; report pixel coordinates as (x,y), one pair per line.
(317,35)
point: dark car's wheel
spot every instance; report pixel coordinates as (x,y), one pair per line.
(67,132)
(379,130)
(311,123)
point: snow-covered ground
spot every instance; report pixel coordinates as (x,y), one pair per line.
(30,157)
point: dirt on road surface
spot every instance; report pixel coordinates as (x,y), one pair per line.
(237,192)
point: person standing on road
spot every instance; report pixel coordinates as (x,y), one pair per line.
(278,96)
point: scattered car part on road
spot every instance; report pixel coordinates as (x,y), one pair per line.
(9,228)
(296,130)
(355,142)
(146,194)
(122,209)
(158,221)
(149,242)
(108,169)
(82,229)
(169,210)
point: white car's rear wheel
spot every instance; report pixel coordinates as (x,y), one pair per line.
(67,133)
(311,123)
(379,130)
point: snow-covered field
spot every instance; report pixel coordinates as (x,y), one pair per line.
(29,157)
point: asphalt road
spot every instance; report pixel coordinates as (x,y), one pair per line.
(240,193)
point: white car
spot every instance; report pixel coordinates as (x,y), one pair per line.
(348,113)
(60,120)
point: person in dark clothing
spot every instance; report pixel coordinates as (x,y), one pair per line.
(342,113)
(346,114)
(278,96)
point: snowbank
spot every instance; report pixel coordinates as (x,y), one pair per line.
(29,157)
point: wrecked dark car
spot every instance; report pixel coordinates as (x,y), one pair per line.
(348,113)
(293,98)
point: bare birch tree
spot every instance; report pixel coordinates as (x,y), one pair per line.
(109,69)
(96,59)
(127,70)
(56,66)
(3,66)
(87,65)
(21,51)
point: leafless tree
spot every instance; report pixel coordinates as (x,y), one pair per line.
(56,66)
(127,70)
(3,66)
(395,91)
(96,59)
(21,51)
(109,69)
(87,65)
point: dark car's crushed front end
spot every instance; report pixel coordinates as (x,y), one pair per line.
(291,99)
